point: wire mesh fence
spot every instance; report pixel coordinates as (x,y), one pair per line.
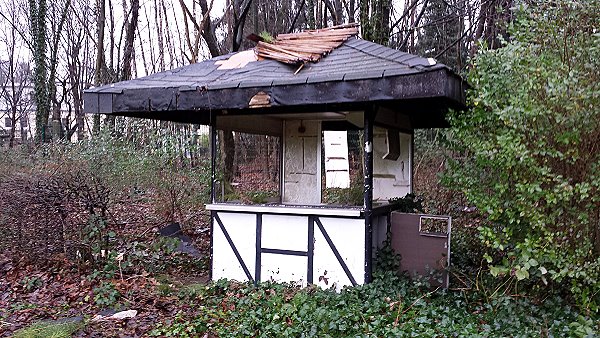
(248,167)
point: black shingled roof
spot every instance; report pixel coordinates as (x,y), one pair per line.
(356,74)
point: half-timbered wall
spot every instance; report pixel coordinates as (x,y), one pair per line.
(324,250)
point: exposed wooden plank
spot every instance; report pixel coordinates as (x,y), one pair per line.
(308,46)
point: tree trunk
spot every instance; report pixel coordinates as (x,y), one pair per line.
(128,51)
(311,14)
(13,118)
(37,13)
(351,10)
(208,30)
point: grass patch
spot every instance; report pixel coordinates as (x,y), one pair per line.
(49,329)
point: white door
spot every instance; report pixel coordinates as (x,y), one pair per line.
(302,162)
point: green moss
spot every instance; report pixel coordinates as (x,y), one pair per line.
(49,329)
(266,36)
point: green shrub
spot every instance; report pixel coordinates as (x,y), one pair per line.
(529,145)
(345,196)
(410,203)
(105,294)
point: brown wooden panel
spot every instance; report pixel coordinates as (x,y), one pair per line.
(419,250)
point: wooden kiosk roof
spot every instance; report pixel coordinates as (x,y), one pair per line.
(354,76)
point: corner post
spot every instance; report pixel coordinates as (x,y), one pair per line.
(213,161)
(369,117)
(213,156)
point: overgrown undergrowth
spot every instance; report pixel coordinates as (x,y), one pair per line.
(389,307)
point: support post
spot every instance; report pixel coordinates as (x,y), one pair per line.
(369,117)
(412,161)
(213,160)
(213,156)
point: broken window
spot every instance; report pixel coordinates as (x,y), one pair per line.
(343,181)
(252,176)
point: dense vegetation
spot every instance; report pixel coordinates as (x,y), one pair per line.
(529,146)
(389,307)
(528,160)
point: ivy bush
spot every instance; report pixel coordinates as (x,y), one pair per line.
(531,150)
(389,307)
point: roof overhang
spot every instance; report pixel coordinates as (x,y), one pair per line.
(356,76)
(424,96)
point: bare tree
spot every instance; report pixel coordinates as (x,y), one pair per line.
(375,20)
(101,75)
(78,59)
(62,38)
(492,23)
(130,29)
(14,99)
(15,75)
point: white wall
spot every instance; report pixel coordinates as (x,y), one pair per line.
(290,232)
(243,234)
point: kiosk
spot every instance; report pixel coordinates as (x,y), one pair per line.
(357,85)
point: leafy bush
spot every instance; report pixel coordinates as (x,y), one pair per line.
(530,149)
(345,196)
(105,294)
(410,203)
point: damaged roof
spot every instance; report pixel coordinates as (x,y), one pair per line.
(355,75)
(307,46)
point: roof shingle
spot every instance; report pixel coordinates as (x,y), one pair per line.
(356,74)
(354,59)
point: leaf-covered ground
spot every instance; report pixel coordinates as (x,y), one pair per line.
(59,291)
(130,276)
(390,307)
